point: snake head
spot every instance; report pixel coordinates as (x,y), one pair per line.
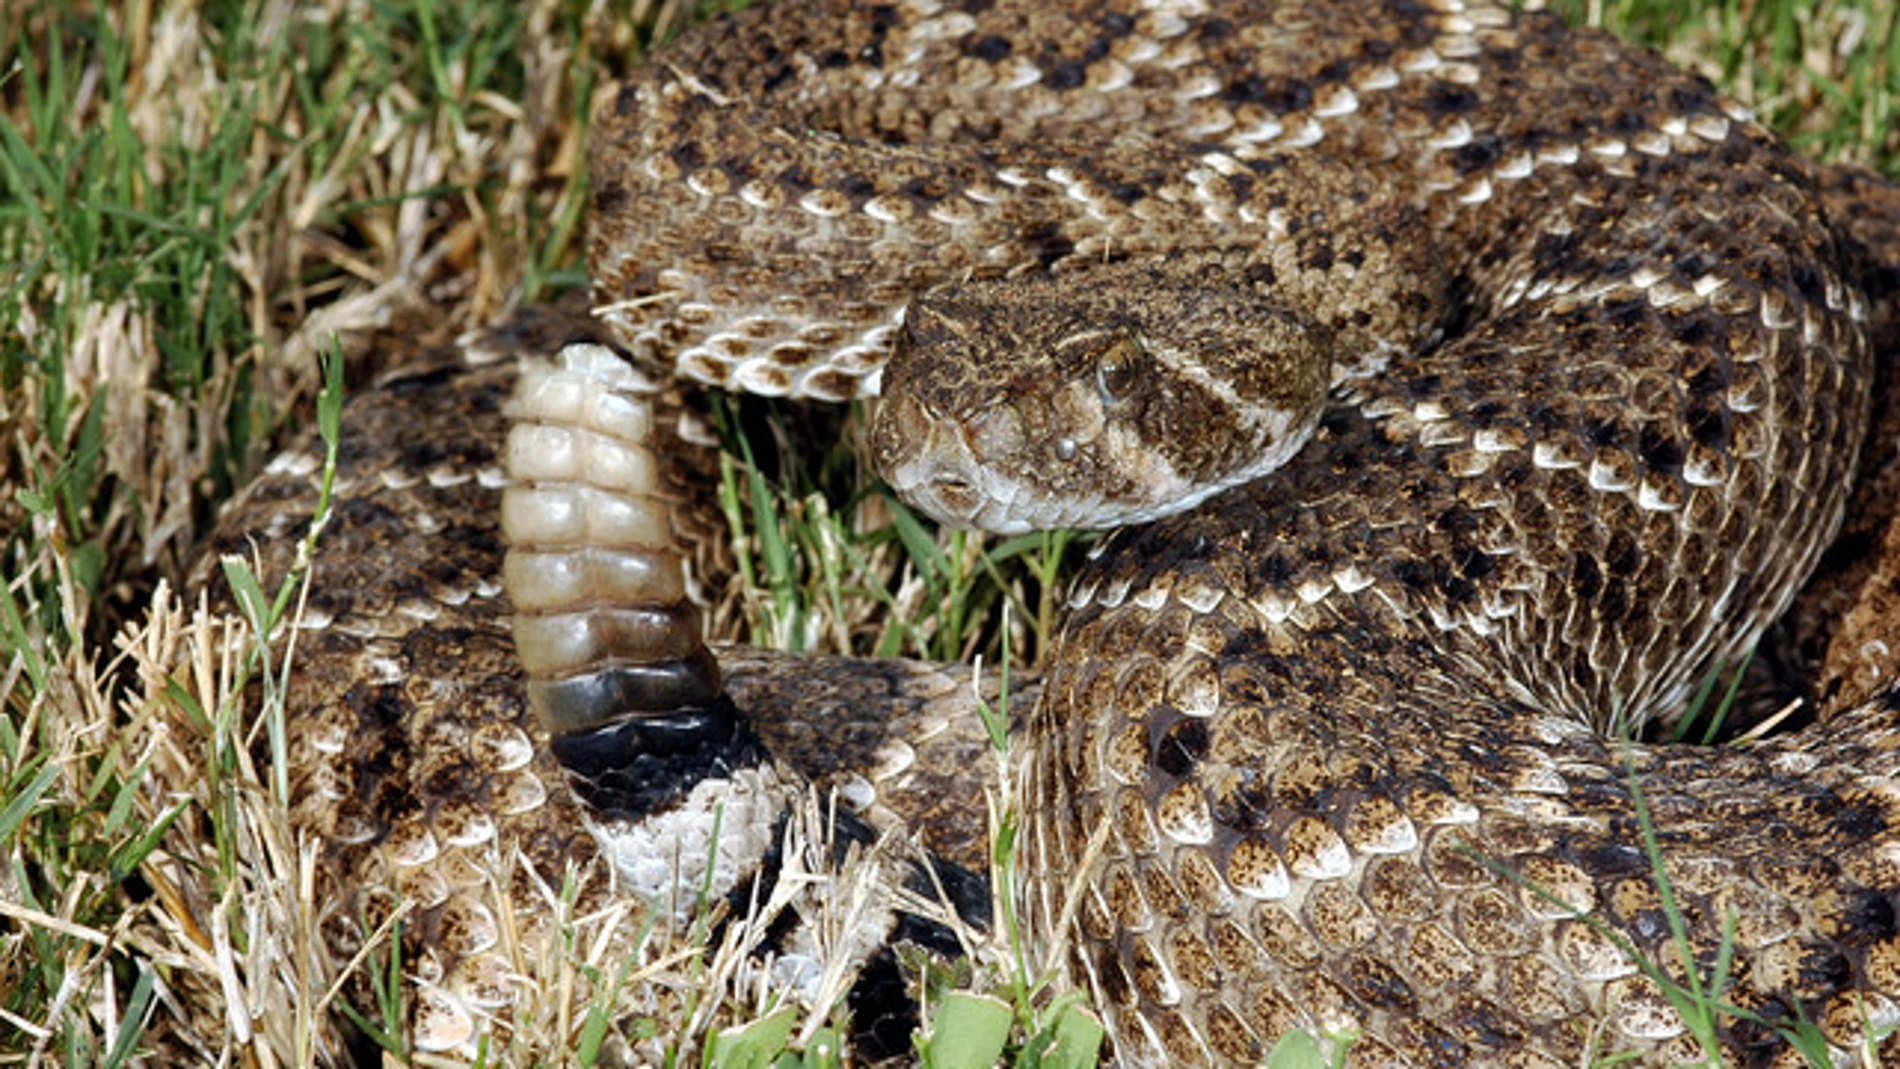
(1118,396)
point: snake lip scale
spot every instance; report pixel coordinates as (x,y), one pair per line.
(1470,385)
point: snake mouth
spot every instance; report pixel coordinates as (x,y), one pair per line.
(955,496)
(942,482)
(949,485)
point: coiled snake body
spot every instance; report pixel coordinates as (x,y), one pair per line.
(1333,748)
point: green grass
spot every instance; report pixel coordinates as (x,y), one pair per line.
(1826,75)
(194,201)
(190,209)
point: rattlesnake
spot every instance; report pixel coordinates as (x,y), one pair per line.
(1599,374)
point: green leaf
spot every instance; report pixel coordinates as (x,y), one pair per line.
(918,542)
(1296,1050)
(250,596)
(15,813)
(967,1032)
(89,565)
(755,1045)
(33,501)
(825,1051)
(137,1012)
(330,400)
(128,856)
(1077,1042)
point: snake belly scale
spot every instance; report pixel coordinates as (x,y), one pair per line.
(1586,371)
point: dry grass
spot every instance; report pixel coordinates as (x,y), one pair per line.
(198,199)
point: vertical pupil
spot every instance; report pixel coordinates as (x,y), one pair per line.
(1115,369)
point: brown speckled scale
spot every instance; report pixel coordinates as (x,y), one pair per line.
(1328,727)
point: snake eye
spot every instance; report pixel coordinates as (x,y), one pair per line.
(1118,369)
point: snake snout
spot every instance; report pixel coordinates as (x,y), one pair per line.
(928,460)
